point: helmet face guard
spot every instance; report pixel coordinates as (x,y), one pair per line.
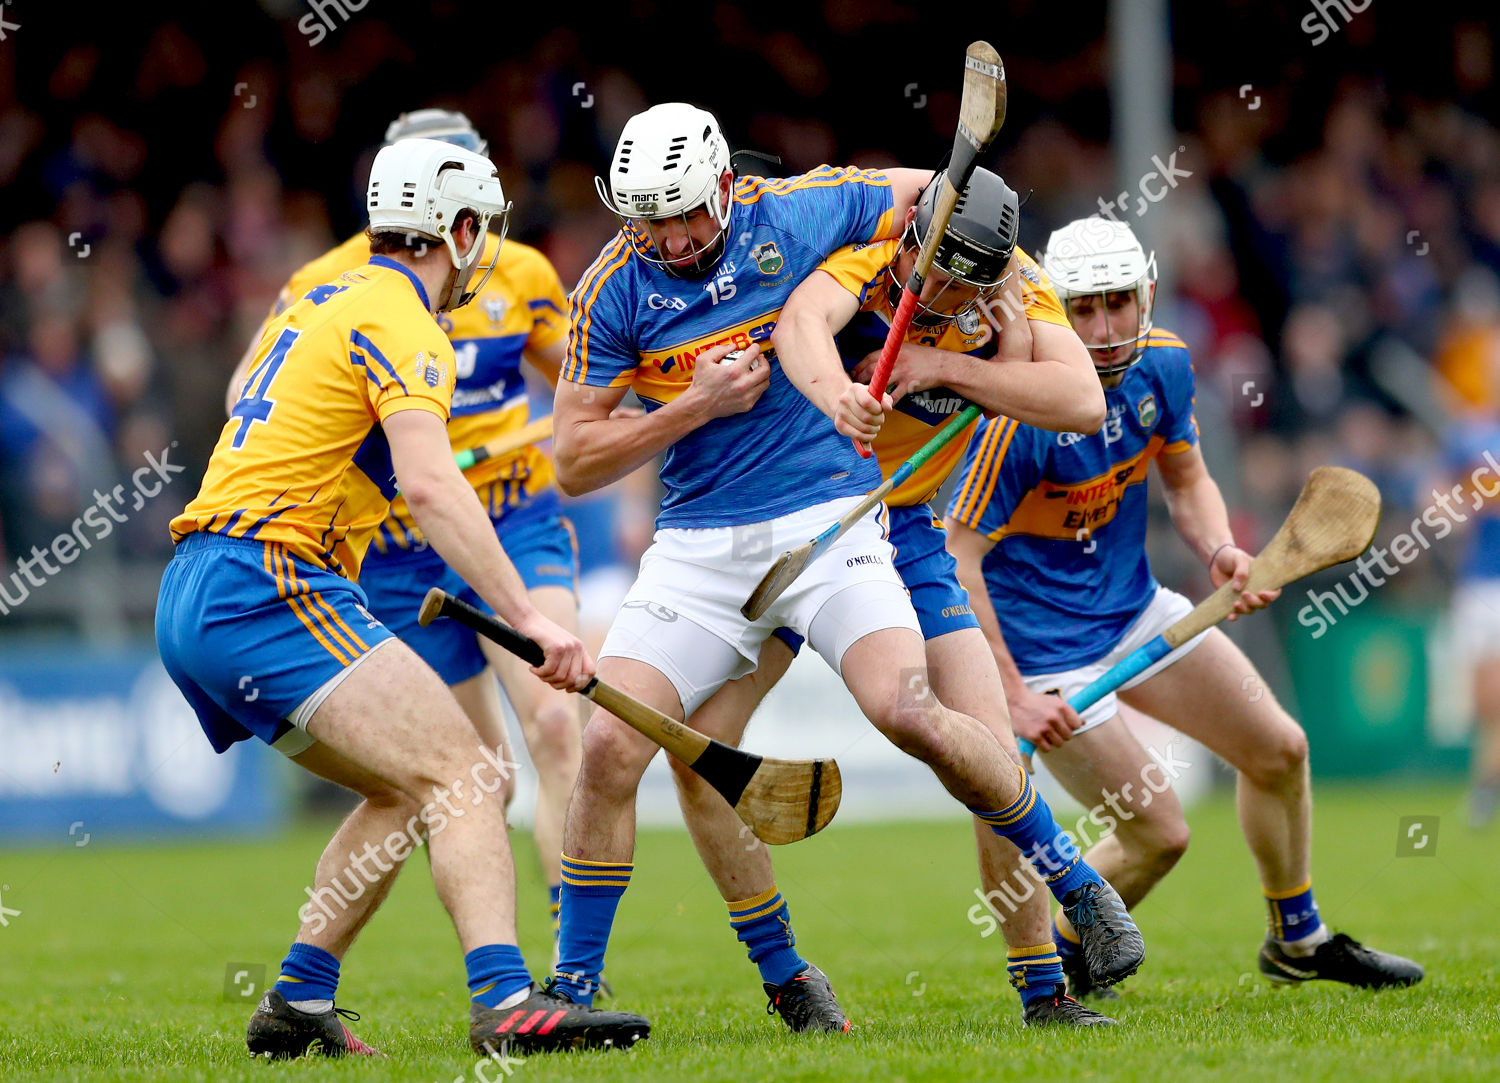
(959,268)
(457,292)
(637,229)
(1096,257)
(1143,291)
(471,195)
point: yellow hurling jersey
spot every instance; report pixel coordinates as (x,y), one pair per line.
(862,270)
(522,310)
(302,459)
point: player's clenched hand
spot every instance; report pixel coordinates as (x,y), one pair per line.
(858,415)
(568,665)
(1044,720)
(1231,564)
(729,387)
(909,373)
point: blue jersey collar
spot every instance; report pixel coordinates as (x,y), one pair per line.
(386,261)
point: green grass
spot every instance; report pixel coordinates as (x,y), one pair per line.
(115,967)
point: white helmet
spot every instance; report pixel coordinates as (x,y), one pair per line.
(1100,256)
(421,187)
(668,163)
(449,125)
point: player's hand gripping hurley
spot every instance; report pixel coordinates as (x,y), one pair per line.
(781,800)
(1333,521)
(980,115)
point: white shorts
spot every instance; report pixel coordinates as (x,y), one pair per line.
(1476,619)
(1165,610)
(682,615)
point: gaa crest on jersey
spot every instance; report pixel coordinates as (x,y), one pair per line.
(967,321)
(494,308)
(1145,410)
(768,258)
(429,368)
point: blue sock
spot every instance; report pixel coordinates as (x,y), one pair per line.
(1293,915)
(591,893)
(1028,822)
(1067,944)
(554,907)
(764,925)
(496,971)
(308,973)
(1035,972)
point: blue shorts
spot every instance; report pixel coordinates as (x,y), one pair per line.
(248,632)
(539,542)
(929,572)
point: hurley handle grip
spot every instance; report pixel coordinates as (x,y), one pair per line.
(439,603)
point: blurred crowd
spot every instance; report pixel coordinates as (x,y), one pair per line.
(1334,253)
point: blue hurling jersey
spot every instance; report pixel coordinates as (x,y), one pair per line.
(634,325)
(1068,574)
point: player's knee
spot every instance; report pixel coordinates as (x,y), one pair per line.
(1171,842)
(392,799)
(614,755)
(554,738)
(914,730)
(1282,759)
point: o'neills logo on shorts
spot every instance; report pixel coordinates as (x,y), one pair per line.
(852,561)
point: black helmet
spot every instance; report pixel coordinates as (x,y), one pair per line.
(981,235)
(974,250)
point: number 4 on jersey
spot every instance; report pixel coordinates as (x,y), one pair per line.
(255,403)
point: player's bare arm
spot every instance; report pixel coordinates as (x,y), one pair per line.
(450,515)
(1052,385)
(547,360)
(1045,721)
(1200,516)
(591,449)
(816,311)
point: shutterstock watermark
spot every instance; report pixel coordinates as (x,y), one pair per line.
(503,1063)
(1106,816)
(1319,23)
(92,526)
(433,817)
(1166,173)
(316,25)
(1441,515)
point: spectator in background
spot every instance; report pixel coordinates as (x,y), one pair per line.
(202,158)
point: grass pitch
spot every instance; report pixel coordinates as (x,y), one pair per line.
(120,963)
